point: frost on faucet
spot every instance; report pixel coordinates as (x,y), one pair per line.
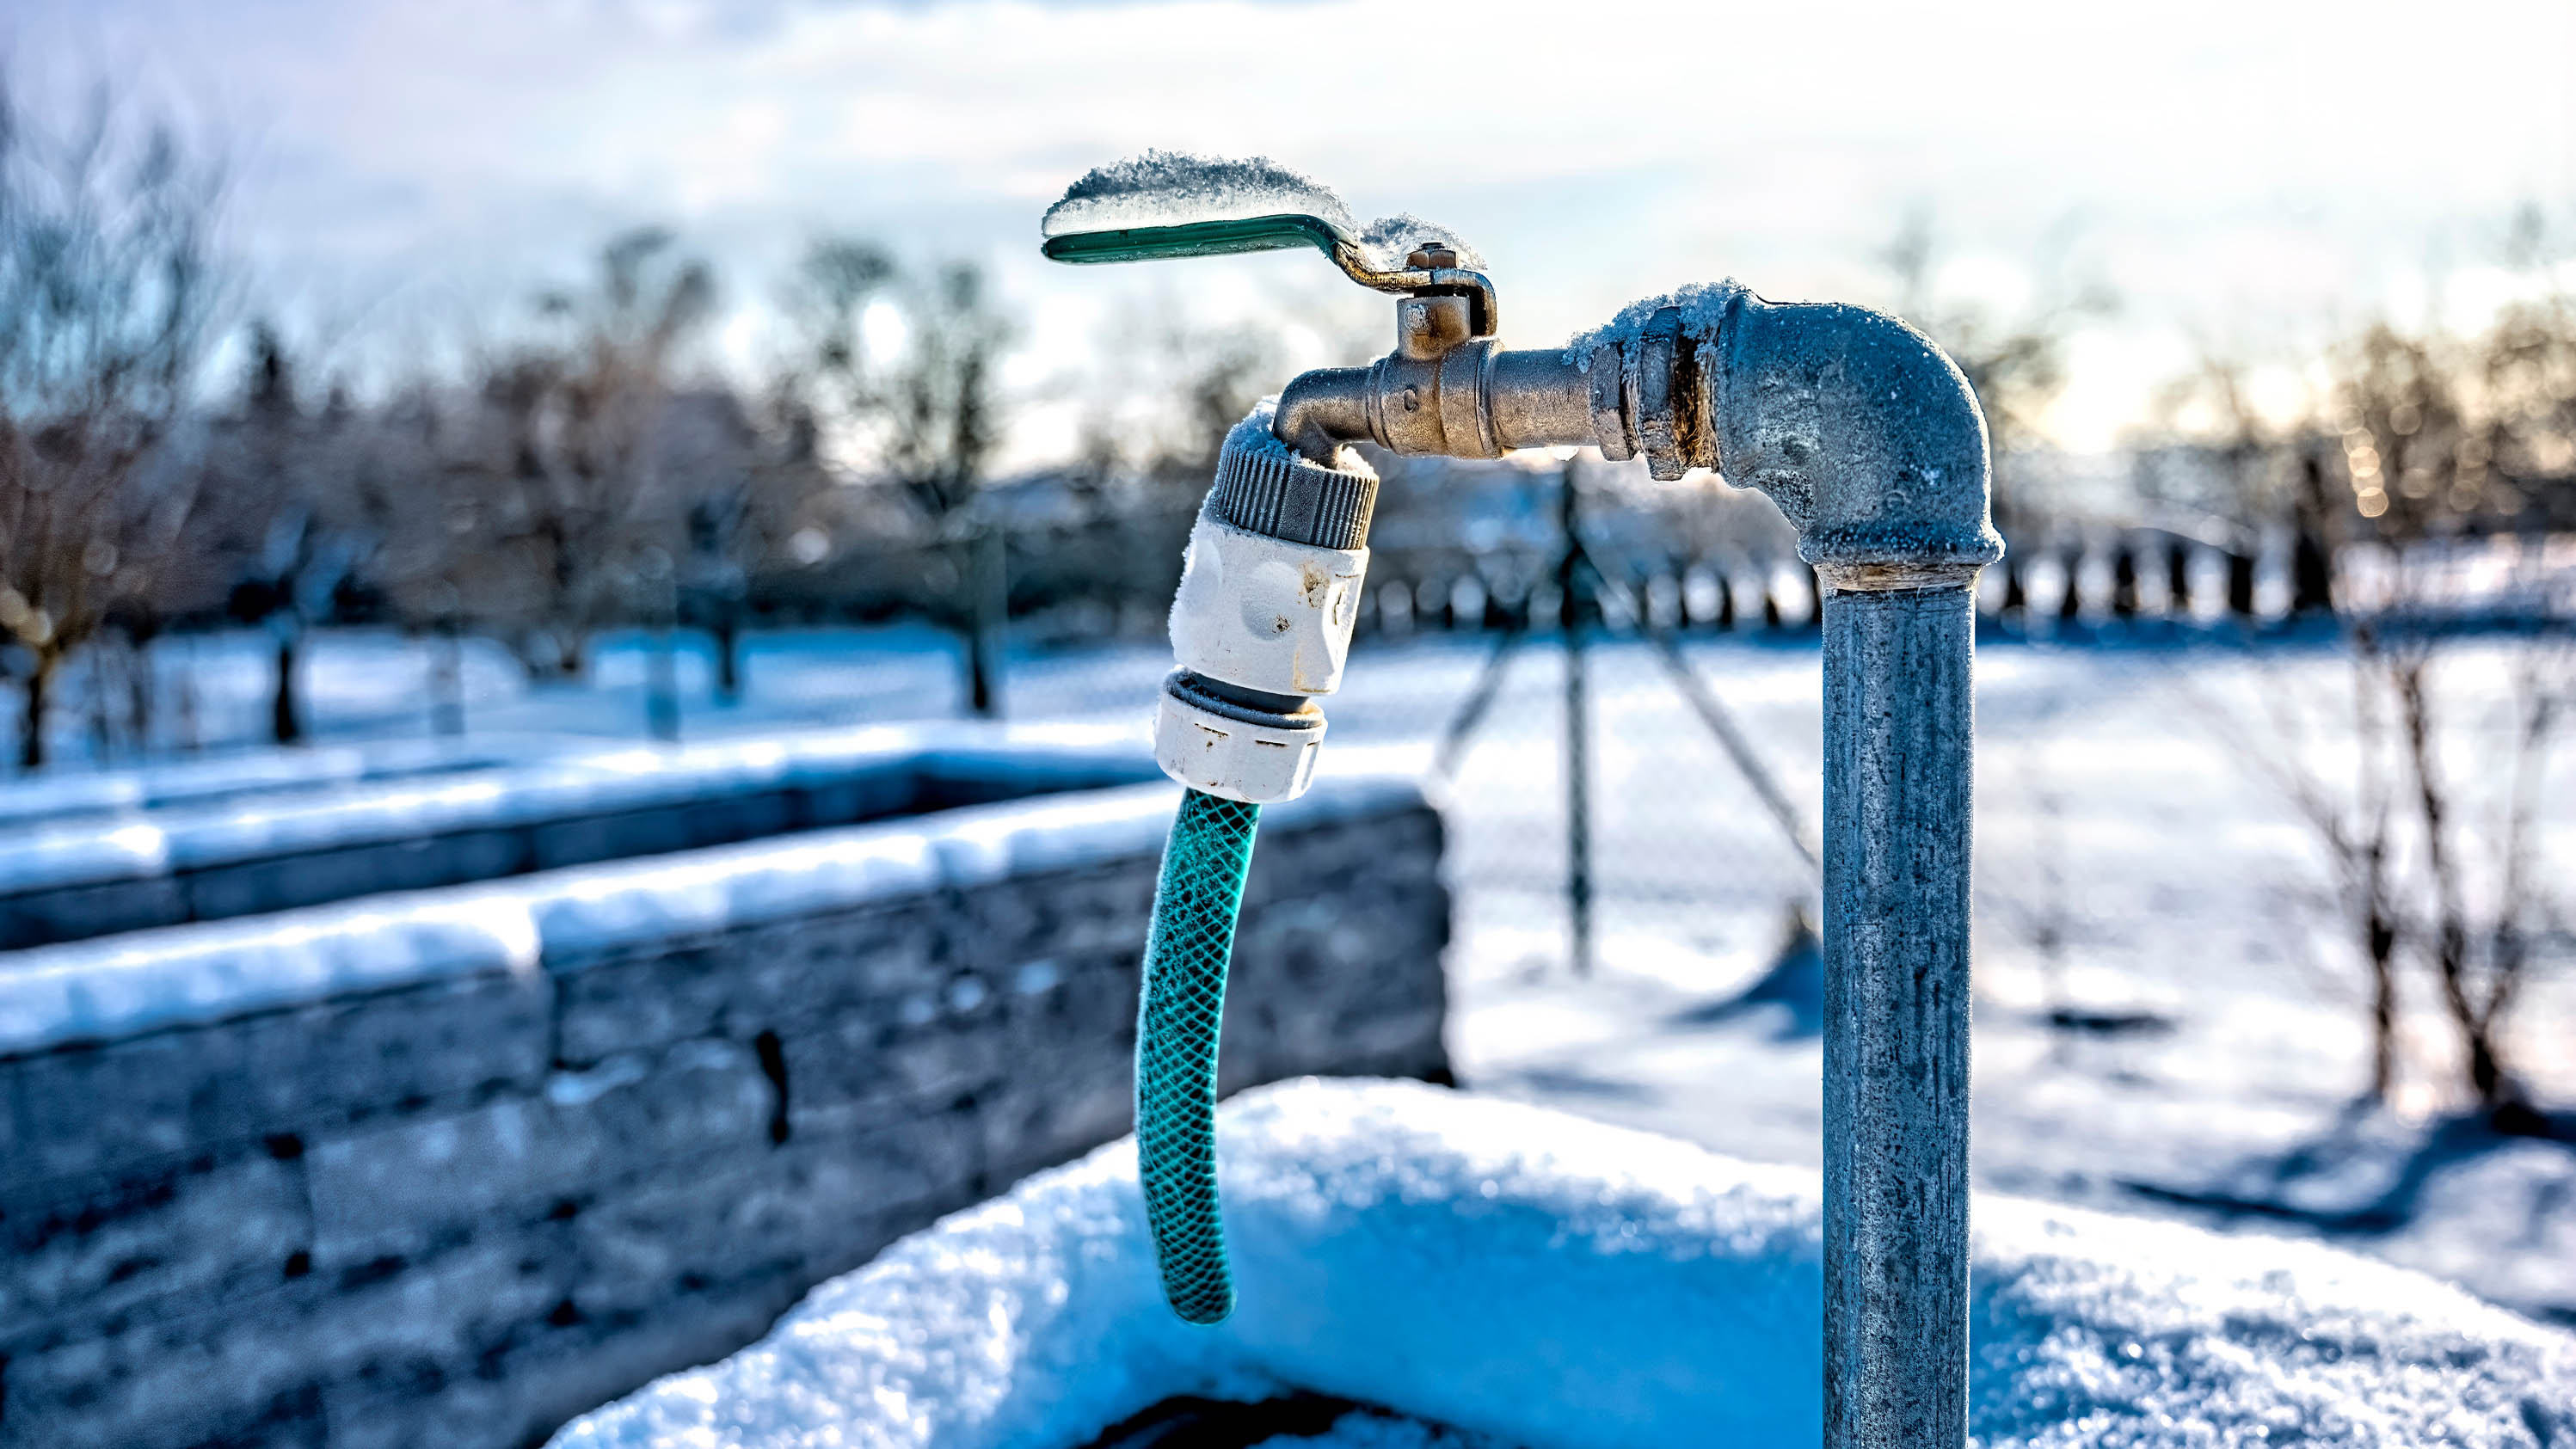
(1176,188)
(1389,240)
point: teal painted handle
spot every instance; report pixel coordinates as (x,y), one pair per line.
(1176,1041)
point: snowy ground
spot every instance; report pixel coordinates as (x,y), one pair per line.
(1526,1275)
(2135,878)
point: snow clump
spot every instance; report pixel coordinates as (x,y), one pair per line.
(1390,239)
(1559,1284)
(1175,188)
(1703,305)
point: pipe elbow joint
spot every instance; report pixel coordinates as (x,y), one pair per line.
(1864,433)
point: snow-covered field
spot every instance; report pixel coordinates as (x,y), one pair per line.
(1530,1278)
(2136,878)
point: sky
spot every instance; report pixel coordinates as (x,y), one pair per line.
(2246,175)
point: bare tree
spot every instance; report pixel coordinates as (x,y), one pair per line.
(926,416)
(2521,464)
(2355,820)
(2016,364)
(294,534)
(829,375)
(107,291)
(2423,444)
(557,495)
(1175,386)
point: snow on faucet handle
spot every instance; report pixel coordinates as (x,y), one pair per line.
(1167,204)
(1172,204)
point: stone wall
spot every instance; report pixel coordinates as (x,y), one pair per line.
(174,855)
(447,1169)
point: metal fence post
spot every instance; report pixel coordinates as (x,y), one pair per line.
(1573,605)
(988,608)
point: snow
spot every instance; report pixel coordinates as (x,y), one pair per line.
(2129,863)
(57,796)
(125,985)
(1177,188)
(1390,239)
(251,825)
(1702,304)
(1253,435)
(1521,1273)
(119,986)
(1375,1431)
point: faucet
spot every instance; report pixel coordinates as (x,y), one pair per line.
(1872,445)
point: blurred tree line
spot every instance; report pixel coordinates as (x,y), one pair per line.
(595,470)
(592,470)
(2422,475)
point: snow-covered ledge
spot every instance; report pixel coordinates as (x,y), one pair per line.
(195,853)
(1558,1284)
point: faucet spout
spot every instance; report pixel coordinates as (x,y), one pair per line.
(1473,400)
(1321,410)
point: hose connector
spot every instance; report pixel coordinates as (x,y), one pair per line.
(1269,594)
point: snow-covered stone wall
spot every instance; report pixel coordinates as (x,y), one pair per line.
(448,1168)
(93,856)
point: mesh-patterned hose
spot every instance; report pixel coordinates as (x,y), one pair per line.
(1176,1041)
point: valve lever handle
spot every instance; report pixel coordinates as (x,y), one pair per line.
(1282,232)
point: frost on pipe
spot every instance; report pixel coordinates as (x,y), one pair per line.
(1702,306)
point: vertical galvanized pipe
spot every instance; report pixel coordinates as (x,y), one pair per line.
(1898,730)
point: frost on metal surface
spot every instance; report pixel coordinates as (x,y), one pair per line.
(1390,239)
(1560,1284)
(1176,188)
(1702,304)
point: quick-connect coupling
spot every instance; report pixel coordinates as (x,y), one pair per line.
(1262,624)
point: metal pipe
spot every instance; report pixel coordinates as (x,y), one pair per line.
(1871,443)
(1897,730)
(1471,401)
(1321,410)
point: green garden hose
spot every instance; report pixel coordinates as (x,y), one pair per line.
(1176,1044)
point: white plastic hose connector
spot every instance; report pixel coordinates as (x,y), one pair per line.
(1265,613)
(1269,593)
(1221,751)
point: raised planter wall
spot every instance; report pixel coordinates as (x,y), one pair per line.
(191,852)
(449,1168)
